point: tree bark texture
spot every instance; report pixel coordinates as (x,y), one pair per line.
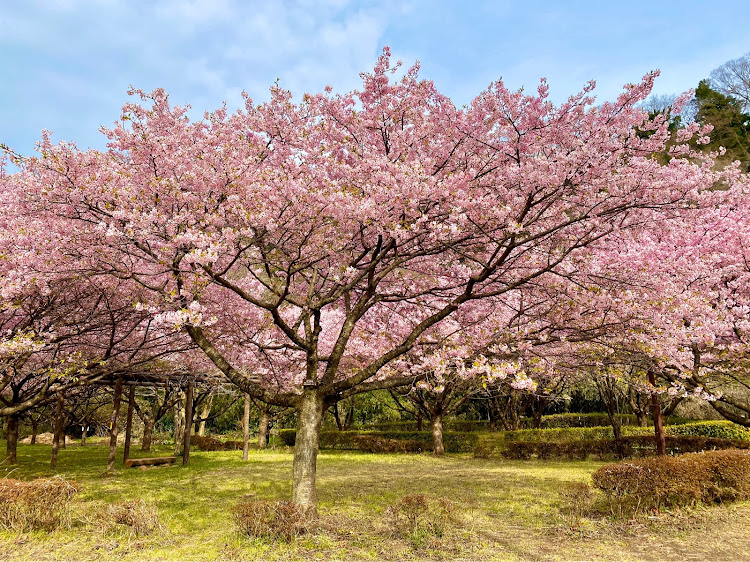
(113,429)
(148,433)
(59,429)
(263,429)
(11,440)
(661,441)
(188,424)
(205,412)
(179,424)
(129,424)
(437,434)
(246,428)
(34,430)
(310,416)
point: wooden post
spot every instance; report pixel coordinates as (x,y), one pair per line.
(129,423)
(113,427)
(188,424)
(661,441)
(59,428)
(246,429)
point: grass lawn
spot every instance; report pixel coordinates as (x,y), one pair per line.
(507,510)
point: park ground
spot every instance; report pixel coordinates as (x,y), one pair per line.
(504,510)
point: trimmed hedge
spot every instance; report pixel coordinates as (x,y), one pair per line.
(211,443)
(454,441)
(629,446)
(552,421)
(714,476)
(718,429)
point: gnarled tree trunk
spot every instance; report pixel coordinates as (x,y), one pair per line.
(263,429)
(179,423)
(34,429)
(59,429)
(437,434)
(11,439)
(148,433)
(246,429)
(310,416)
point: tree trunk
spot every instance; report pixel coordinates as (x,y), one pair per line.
(34,430)
(310,416)
(148,433)
(246,429)
(59,428)
(129,424)
(179,424)
(263,429)
(205,413)
(11,450)
(113,428)
(661,441)
(420,421)
(641,416)
(437,434)
(188,424)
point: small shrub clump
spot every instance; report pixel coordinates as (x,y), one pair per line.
(211,443)
(654,483)
(418,517)
(576,501)
(371,444)
(271,519)
(137,516)
(37,504)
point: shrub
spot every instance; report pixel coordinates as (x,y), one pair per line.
(455,442)
(717,429)
(270,519)
(576,501)
(628,446)
(673,481)
(37,504)
(417,516)
(139,517)
(371,444)
(211,443)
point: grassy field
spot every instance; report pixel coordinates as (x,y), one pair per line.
(506,510)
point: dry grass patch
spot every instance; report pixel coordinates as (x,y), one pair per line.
(42,504)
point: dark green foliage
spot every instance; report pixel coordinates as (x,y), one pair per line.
(548,422)
(731,125)
(454,441)
(718,429)
(370,444)
(211,443)
(674,481)
(628,446)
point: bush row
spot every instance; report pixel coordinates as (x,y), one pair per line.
(454,441)
(552,421)
(211,443)
(629,446)
(670,481)
(718,429)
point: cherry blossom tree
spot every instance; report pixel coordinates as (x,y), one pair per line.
(304,246)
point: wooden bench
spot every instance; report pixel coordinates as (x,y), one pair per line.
(150,461)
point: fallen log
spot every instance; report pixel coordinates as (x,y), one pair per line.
(150,461)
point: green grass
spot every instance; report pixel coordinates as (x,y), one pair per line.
(507,510)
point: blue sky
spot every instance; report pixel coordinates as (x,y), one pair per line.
(67,64)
